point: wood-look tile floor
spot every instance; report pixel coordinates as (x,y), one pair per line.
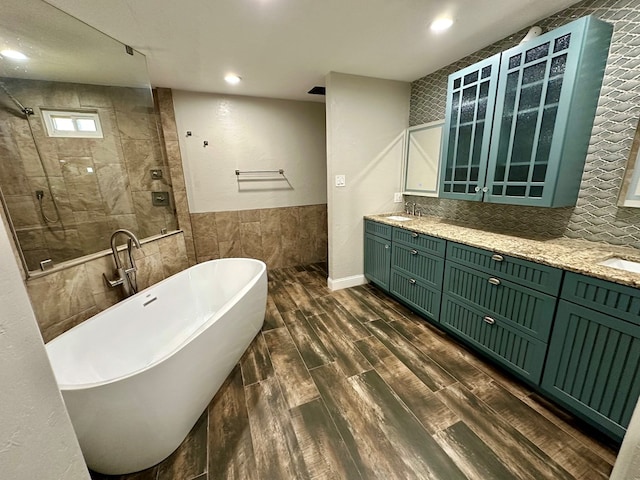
(353,385)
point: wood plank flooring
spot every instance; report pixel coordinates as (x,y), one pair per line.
(353,385)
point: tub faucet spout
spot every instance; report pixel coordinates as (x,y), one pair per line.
(125,276)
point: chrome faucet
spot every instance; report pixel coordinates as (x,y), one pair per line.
(410,207)
(124,276)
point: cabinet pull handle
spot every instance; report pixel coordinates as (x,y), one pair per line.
(485,189)
(414,234)
(412,281)
(387,246)
(414,252)
(477,189)
(489,320)
(494,281)
(497,258)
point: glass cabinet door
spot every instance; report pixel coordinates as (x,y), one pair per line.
(471,97)
(535,82)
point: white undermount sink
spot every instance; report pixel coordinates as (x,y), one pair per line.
(398,218)
(621,264)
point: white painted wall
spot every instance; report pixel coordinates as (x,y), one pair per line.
(36,436)
(627,466)
(250,133)
(366,119)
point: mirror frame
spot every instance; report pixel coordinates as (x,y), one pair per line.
(631,176)
(438,124)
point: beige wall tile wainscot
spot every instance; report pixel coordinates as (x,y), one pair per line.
(281,237)
(66,298)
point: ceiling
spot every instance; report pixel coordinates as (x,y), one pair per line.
(282,48)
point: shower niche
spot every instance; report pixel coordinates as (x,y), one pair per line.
(79,136)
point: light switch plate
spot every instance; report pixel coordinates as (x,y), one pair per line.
(397,197)
(340,181)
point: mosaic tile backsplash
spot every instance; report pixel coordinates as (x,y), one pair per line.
(596,216)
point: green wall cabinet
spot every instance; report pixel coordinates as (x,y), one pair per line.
(519,135)
(593,364)
(471,97)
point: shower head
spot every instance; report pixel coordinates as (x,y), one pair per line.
(26,110)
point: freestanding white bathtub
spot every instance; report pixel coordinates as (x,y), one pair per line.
(136,377)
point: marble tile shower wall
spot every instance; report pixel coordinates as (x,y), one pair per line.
(100,184)
(66,298)
(596,216)
(281,237)
(169,132)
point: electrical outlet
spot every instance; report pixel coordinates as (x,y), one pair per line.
(397,197)
(340,181)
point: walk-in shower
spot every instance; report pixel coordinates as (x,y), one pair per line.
(66,189)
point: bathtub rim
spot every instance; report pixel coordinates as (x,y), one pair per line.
(225,308)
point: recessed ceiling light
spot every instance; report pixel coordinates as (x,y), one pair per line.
(13,54)
(232,79)
(441,24)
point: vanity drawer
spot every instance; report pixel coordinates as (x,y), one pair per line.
(417,264)
(516,351)
(420,241)
(525,309)
(530,274)
(415,293)
(607,297)
(378,229)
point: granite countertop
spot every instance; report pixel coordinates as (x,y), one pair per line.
(578,256)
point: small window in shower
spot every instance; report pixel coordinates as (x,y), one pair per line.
(61,123)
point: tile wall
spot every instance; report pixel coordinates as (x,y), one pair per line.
(63,299)
(100,184)
(169,131)
(596,216)
(281,237)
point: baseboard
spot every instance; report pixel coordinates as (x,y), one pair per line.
(346,282)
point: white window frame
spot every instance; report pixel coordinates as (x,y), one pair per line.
(74,116)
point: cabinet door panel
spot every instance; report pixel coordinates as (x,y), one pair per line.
(426,243)
(617,300)
(415,293)
(378,229)
(377,260)
(519,353)
(546,101)
(533,275)
(522,308)
(593,366)
(470,103)
(415,263)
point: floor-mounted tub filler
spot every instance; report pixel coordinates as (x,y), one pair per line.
(136,377)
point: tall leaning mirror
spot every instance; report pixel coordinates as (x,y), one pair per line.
(80,149)
(422,159)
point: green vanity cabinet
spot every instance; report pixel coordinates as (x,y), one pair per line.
(377,253)
(545,102)
(593,364)
(417,266)
(501,305)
